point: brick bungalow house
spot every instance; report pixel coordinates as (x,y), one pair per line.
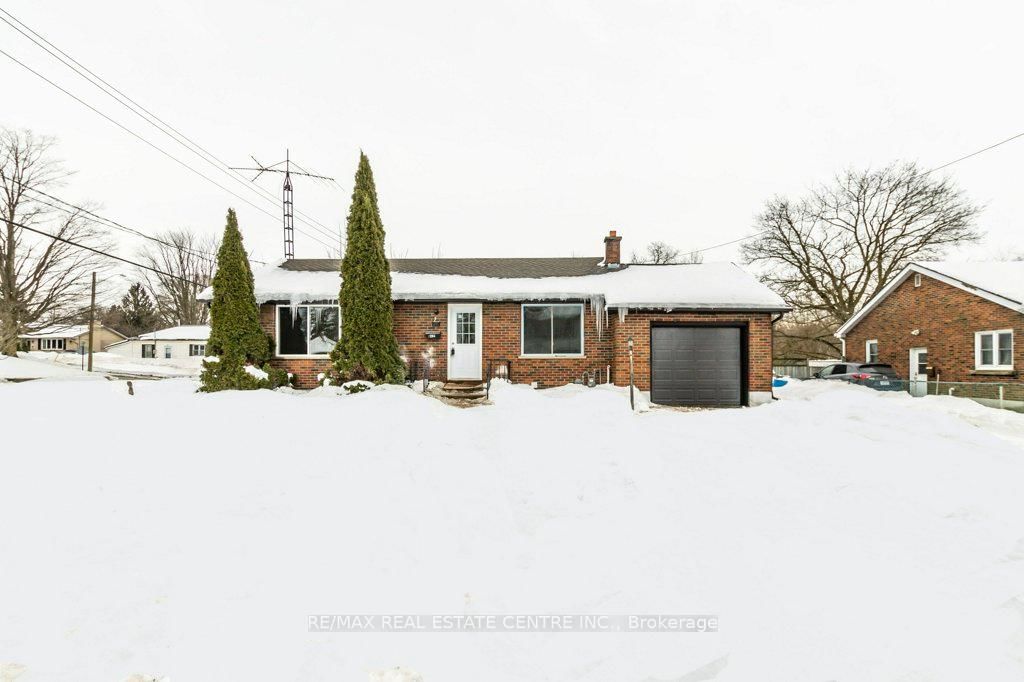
(944,321)
(702,334)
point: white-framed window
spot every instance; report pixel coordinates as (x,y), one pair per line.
(871,350)
(917,279)
(993,349)
(552,329)
(51,344)
(149,350)
(307,329)
(196,350)
(167,352)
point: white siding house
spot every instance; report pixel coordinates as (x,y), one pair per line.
(183,345)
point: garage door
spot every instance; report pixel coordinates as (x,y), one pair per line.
(696,366)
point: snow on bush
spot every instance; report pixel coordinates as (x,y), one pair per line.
(256,372)
(357,386)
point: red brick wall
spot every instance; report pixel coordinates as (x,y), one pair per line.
(412,321)
(638,325)
(501,340)
(947,317)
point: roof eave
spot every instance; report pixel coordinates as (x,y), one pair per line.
(902,277)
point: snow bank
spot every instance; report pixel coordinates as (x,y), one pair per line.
(839,534)
(119,364)
(42,366)
(705,285)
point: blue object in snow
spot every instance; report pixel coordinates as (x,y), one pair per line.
(778,381)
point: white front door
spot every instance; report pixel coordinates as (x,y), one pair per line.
(918,371)
(465,342)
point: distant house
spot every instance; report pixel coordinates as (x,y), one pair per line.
(187,343)
(699,334)
(69,338)
(951,322)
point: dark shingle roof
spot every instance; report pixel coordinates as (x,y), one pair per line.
(481,267)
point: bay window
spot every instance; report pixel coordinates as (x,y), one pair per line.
(307,329)
(993,349)
(552,329)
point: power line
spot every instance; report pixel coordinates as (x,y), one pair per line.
(148,116)
(130,230)
(980,151)
(927,172)
(150,144)
(106,253)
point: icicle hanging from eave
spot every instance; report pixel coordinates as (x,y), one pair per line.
(600,314)
(622,314)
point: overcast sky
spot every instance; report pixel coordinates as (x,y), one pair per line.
(525,128)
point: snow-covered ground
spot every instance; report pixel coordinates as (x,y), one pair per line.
(27,367)
(838,534)
(118,364)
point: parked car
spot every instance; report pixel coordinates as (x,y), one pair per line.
(876,375)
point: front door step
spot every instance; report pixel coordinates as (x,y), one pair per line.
(463,390)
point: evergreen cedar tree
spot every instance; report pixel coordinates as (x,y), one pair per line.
(236,338)
(367,348)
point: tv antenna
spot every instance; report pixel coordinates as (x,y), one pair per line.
(287,200)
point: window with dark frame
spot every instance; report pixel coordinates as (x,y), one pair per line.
(307,329)
(552,329)
(149,350)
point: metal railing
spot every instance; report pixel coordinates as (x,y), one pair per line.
(1007,395)
(497,368)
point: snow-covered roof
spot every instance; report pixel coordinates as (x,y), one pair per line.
(691,286)
(997,281)
(194,332)
(60,331)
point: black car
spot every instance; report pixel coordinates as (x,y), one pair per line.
(876,375)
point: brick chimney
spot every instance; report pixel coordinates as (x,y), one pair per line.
(612,250)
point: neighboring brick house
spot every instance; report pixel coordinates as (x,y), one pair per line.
(951,322)
(548,321)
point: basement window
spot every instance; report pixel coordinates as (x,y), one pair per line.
(871,351)
(304,330)
(994,349)
(552,330)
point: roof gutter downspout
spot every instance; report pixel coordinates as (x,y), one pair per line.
(774,320)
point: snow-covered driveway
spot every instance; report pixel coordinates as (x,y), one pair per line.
(838,534)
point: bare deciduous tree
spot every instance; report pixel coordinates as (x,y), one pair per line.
(184,257)
(661,253)
(829,252)
(42,280)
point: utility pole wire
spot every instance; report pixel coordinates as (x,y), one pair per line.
(113,223)
(980,151)
(927,172)
(150,144)
(144,113)
(104,253)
